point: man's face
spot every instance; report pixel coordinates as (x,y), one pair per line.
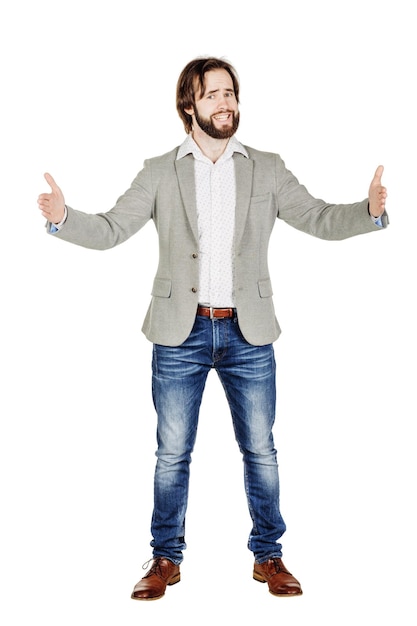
(216,111)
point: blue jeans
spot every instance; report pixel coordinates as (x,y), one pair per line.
(247,374)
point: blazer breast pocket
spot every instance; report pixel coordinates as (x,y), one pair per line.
(162,287)
(262,200)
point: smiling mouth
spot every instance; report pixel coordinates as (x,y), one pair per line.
(222,117)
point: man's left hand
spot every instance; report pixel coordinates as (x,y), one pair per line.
(377,194)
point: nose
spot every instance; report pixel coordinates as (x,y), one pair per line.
(222,103)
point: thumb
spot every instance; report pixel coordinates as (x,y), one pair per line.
(378,175)
(51,182)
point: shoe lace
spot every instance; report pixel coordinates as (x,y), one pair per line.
(146,564)
(278,565)
(156,568)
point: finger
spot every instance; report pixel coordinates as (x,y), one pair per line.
(44,204)
(378,175)
(51,182)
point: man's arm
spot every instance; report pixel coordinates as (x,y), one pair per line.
(99,231)
(326,220)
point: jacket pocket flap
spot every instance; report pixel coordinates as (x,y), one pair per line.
(161,287)
(265,288)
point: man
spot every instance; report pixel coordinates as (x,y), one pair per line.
(214,203)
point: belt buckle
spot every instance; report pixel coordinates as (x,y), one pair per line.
(211,313)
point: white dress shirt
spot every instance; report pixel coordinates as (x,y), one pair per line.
(216,203)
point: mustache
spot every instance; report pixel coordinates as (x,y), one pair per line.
(223,112)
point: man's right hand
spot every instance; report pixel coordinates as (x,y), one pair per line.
(52,205)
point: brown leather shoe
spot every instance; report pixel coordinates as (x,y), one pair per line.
(152,586)
(279,579)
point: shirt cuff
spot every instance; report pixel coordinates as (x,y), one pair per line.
(54,228)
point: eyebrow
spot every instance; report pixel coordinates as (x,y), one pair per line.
(229,89)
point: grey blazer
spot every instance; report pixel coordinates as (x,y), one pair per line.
(164,191)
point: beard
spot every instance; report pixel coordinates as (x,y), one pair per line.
(207,125)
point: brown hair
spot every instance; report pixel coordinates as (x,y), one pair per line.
(193,75)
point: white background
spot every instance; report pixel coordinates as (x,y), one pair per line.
(88,92)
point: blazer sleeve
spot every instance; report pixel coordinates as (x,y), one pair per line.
(102,231)
(297,207)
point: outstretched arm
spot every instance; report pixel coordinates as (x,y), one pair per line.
(52,205)
(99,231)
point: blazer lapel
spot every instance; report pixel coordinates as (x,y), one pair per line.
(186,181)
(243,174)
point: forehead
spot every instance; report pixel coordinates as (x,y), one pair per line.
(215,80)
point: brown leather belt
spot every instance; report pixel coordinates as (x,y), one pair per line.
(208,311)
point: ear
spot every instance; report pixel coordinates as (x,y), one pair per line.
(189,111)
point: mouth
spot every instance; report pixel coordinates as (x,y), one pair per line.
(222,117)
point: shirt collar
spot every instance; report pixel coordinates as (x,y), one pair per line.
(189,146)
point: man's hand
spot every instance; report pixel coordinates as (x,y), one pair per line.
(52,205)
(377,194)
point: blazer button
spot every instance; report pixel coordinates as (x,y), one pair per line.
(194,290)
(195,255)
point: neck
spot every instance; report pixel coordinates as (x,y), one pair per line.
(210,147)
